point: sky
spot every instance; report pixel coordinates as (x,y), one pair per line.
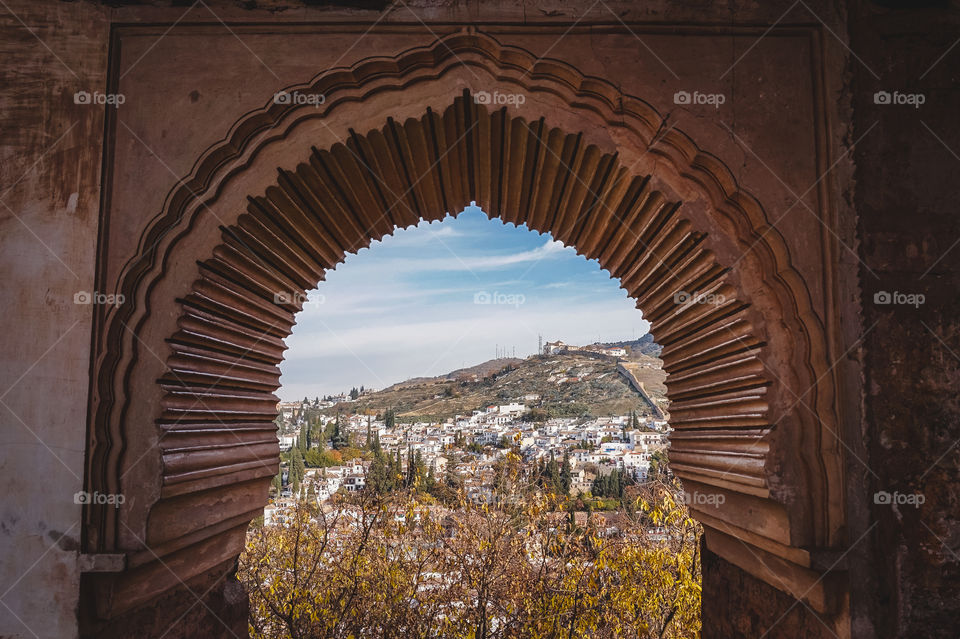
(438,297)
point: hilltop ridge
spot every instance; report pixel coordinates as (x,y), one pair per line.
(569,384)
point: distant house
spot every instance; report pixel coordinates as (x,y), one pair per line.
(513,409)
(583,456)
(554,348)
(287,441)
(637,463)
(286,409)
(353,483)
(612,448)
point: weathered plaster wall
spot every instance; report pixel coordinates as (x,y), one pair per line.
(50,153)
(906,197)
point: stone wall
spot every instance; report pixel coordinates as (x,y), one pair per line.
(906,196)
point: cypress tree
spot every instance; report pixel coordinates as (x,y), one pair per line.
(297,468)
(321,441)
(339,439)
(566,475)
(553,474)
(277,483)
(380,480)
(410,468)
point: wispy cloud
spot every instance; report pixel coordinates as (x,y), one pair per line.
(467,258)
(441,296)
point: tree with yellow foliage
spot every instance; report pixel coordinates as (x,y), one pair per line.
(402,565)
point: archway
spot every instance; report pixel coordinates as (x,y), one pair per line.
(184,402)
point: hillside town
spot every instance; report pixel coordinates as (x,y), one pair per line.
(465,449)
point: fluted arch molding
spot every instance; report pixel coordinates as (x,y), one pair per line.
(183,404)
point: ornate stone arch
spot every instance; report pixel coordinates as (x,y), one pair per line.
(183,405)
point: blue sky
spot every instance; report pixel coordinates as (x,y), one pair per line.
(441,296)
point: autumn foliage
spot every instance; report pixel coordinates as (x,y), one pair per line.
(401,565)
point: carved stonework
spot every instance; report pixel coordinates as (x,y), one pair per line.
(184,403)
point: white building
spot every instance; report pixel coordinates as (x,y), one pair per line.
(613,448)
(553,348)
(637,463)
(287,441)
(354,483)
(513,409)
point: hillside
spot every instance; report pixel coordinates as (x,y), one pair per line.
(569,385)
(643,346)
